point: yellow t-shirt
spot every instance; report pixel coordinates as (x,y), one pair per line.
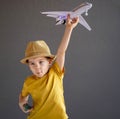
(47,94)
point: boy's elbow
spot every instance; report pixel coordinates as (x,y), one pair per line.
(22,99)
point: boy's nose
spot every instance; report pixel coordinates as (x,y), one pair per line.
(37,65)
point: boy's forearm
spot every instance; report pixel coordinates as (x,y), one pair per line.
(65,40)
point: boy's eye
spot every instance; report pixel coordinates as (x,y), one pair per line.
(40,62)
(32,63)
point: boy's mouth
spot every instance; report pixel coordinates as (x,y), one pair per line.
(39,73)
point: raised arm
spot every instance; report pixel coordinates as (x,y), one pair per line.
(70,24)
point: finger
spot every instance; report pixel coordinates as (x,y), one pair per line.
(68,21)
(28,111)
(68,16)
(75,20)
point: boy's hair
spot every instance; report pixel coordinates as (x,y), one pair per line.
(48,58)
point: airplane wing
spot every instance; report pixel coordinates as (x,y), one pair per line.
(56,13)
(54,16)
(84,23)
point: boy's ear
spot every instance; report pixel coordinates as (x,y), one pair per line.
(50,61)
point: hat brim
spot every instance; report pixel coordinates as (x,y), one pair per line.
(24,60)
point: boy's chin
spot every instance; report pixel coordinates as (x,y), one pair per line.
(39,75)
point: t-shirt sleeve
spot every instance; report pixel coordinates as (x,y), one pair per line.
(57,70)
(24,92)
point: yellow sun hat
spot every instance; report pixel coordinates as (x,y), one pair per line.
(37,49)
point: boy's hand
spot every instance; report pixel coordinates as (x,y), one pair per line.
(23,104)
(72,23)
(25,108)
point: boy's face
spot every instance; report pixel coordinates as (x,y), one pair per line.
(39,66)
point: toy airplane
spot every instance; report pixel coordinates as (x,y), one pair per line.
(61,16)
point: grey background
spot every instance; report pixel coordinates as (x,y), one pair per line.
(92,80)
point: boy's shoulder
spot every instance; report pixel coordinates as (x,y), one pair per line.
(56,69)
(29,79)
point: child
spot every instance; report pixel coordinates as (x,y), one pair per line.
(46,84)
